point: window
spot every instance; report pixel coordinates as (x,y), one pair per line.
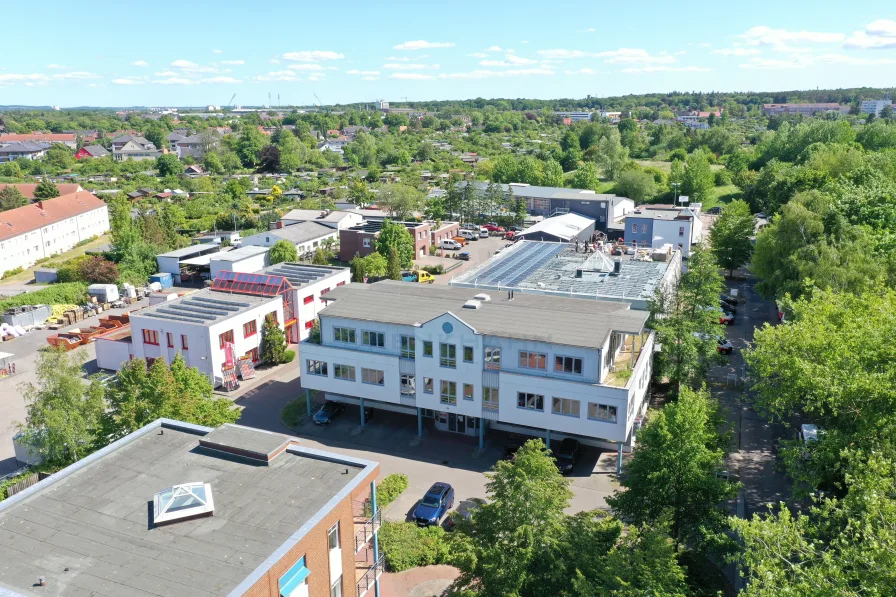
(170,340)
(492,358)
(643,228)
(427,348)
(468,391)
(634,228)
(346,372)
(373,376)
(308,299)
(344,335)
(375,339)
(333,536)
(340,284)
(565,406)
(366,243)
(447,355)
(533,360)
(449,392)
(568,365)
(601,412)
(252,354)
(408,347)
(408,385)
(530,401)
(681,231)
(249,329)
(490,398)
(323,292)
(336,589)
(225,337)
(427,385)
(151,337)
(468,354)
(309,324)
(317,367)
(183,342)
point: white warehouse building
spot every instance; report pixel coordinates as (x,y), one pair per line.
(539,365)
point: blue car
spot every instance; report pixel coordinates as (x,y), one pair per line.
(327,412)
(434,505)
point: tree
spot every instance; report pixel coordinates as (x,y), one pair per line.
(393,265)
(169,165)
(46,190)
(673,471)
(521,213)
(731,236)
(273,342)
(394,235)
(359,193)
(212,163)
(698,180)
(552,174)
(371,266)
(400,200)
(292,152)
(321,256)
(637,185)
(63,409)
(586,177)
(283,251)
(249,146)
(98,270)
(611,155)
(269,159)
(59,156)
(11,198)
(435,209)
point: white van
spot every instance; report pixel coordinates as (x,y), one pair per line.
(450,244)
(483,232)
(469,234)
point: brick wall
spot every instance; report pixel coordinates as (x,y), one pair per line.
(421,234)
(351,243)
(316,550)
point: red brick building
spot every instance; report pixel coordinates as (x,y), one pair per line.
(360,240)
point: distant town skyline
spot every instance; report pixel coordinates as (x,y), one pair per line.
(364,52)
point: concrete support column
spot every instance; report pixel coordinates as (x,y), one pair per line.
(547,439)
(376,538)
(633,351)
(619,460)
(362,412)
(481,433)
(419,422)
(308,400)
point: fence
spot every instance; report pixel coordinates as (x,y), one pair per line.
(24,484)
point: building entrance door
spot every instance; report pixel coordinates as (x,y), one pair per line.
(461,424)
(452,422)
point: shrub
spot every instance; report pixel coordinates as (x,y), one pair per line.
(74,293)
(390,488)
(98,270)
(289,356)
(12,272)
(722,178)
(70,270)
(407,546)
(434,269)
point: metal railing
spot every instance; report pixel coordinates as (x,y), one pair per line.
(365,530)
(370,577)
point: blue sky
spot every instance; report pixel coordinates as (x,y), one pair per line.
(168,52)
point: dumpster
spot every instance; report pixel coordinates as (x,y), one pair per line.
(164,279)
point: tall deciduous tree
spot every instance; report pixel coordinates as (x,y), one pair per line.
(400,200)
(283,251)
(63,409)
(169,165)
(673,471)
(731,236)
(11,198)
(393,265)
(698,180)
(552,174)
(586,177)
(394,235)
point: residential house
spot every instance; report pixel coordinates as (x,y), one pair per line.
(808,109)
(28,150)
(196,145)
(120,141)
(306,236)
(92,151)
(135,150)
(67,139)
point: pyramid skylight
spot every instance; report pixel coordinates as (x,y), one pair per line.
(179,502)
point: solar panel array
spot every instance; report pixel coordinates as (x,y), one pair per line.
(245,283)
(299,275)
(198,309)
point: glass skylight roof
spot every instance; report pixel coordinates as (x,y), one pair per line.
(183,501)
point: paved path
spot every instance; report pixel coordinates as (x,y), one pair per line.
(428,581)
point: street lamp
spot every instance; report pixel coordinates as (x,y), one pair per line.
(675,186)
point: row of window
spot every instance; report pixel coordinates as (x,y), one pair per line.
(250,328)
(567,407)
(644,229)
(152,337)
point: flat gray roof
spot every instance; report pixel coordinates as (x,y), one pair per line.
(524,190)
(205,307)
(542,318)
(192,251)
(551,268)
(302,274)
(94,519)
(240,253)
(295,233)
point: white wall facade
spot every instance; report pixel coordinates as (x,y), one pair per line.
(203,342)
(508,377)
(621,208)
(249,264)
(675,233)
(307,310)
(267,239)
(23,250)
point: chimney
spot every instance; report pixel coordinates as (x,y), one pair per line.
(40,205)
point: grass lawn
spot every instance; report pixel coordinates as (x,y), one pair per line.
(723,195)
(667,166)
(56,260)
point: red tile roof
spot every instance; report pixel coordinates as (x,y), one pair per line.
(28,189)
(49,137)
(18,221)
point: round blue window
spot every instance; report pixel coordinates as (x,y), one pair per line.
(447,327)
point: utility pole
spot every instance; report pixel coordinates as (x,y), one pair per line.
(675,186)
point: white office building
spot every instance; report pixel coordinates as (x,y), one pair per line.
(875,106)
(545,366)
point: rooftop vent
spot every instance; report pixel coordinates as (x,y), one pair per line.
(472,305)
(255,445)
(482,297)
(183,502)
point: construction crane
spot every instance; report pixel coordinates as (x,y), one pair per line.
(319,103)
(230,103)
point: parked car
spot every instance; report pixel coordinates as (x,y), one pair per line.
(728,307)
(461,240)
(494,228)
(434,505)
(509,235)
(449,244)
(726,318)
(514,229)
(512,444)
(329,411)
(483,232)
(724,346)
(729,299)
(714,211)
(567,455)
(465,256)
(470,234)
(421,276)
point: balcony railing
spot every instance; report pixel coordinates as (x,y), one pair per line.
(366,529)
(490,411)
(370,576)
(408,399)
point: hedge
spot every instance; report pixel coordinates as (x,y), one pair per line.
(72,293)
(390,488)
(405,545)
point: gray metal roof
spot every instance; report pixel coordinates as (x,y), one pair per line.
(551,268)
(240,253)
(296,233)
(301,274)
(191,250)
(524,190)
(566,226)
(205,307)
(88,529)
(558,320)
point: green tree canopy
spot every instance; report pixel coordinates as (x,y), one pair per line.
(169,165)
(283,251)
(400,200)
(394,235)
(273,342)
(46,190)
(11,198)
(637,185)
(731,236)
(698,180)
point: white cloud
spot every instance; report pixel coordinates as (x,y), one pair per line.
(216,51)
(174,81)
(778,38)
(422,44)
(140,63)
(588,30)
(77,75)
(704,45)
(280,75)
(312,56)
(370,78)
(233,62)
(477,55)
(525,41)
(166,73)
(582,71)
(306,66)
(411,76)
(564,54)
(853,60)
(791,62)
(486,74)
(879,34)
(55,66)
(365,73)
(391,66)
(16,78)
(273,61)
(184,64)
(221,80)
(493,49)
(509,60)
(666,69)
(633,56)
(126,82)
(737,52)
